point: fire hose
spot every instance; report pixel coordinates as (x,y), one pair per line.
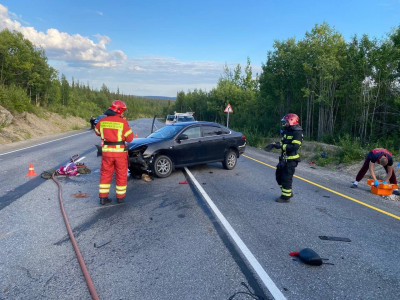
(85,271)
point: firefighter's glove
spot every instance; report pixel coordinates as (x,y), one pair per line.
(269,147)
(384,182)
(376,182)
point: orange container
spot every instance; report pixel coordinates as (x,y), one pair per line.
(378,191)
(382,189)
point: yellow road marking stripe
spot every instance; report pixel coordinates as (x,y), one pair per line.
(332,191)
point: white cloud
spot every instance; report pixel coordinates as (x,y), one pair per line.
(65,47)
(90,62)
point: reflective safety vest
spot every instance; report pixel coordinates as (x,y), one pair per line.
(114,132)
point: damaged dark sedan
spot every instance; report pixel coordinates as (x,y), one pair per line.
(185,144)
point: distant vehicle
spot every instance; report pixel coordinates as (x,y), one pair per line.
(180,117)
(98,119)
(170,119)
(185,144)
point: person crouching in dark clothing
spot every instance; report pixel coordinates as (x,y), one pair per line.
(384,158)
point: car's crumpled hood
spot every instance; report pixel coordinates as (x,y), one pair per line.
(140,142)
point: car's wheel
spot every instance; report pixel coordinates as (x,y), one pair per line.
(230,160)
(162,166)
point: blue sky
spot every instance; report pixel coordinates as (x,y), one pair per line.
(154,47)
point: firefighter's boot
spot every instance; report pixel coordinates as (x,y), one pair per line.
(121,200)
(281,200)
(104,201)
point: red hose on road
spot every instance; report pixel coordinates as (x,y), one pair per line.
(85,271)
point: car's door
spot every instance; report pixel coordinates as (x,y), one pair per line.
(189,150)
(214,142)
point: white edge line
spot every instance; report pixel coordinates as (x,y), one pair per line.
(276,293)
(43,143)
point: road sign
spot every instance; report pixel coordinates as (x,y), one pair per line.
(228,109)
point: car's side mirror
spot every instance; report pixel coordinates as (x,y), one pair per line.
(182,137)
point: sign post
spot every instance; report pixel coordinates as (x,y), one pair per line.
(228,109)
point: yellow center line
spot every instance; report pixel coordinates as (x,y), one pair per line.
(332,191)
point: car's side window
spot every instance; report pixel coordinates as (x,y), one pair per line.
(193,132)
(225,131)
(213,130)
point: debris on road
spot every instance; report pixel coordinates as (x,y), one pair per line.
(80,195)
(334,238)
(101,244)
(309,257)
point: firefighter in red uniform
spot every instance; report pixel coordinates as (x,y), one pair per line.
(291,139)
(114,131)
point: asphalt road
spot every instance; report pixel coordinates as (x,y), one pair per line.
(200,240)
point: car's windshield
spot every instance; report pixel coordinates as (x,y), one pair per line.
(170,117)
(166,132)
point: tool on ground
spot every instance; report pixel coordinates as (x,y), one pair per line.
(309,257)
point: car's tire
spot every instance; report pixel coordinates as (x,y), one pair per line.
(230,160)
(162,166)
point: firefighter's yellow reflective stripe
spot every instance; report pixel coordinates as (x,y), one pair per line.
(296,142)
(284,147)
(104,188)
(289,137)
(293,156)
(120,190)
(128,133)
(96,130)
(112,125)
(287,192)
(113,149)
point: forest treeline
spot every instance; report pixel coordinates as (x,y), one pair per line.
(28,83)
(343,91)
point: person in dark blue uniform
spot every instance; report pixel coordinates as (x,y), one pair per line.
(291,140)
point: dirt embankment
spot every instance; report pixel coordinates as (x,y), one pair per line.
(26,126)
